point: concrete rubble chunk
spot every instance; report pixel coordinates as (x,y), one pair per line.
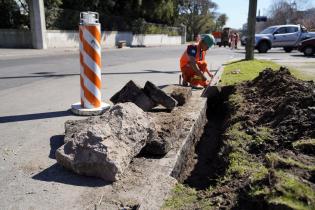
(159,96)
(104,146)
(133,93)
(179,93)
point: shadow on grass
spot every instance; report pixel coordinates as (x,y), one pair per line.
(233,62)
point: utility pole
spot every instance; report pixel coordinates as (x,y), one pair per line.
(251,24)
(38,26)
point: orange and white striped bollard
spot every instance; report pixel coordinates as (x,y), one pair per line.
(90,66)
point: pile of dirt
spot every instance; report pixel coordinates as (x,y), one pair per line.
(282,102)
(265,155)
(275,116)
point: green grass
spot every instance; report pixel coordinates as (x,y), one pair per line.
(240,161)
(301,75)
(181,195)
(274,159)
(236,100)
(248,70)
(184,197)
(263,135)
(288,191)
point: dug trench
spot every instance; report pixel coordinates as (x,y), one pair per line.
(257,150)
(203,164)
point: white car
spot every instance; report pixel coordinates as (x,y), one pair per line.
(285,36)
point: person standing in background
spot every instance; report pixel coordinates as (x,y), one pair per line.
(232,40)
(237,38)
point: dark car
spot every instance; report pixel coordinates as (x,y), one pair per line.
(307,47)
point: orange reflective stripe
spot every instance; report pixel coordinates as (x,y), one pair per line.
(95,32)
(184,59)
(91,98)
(92,77)
(92,53)
(89,73)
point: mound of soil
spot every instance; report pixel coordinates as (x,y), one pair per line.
(283,106)
(282,102)
(264,153)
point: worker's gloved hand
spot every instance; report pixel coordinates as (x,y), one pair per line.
(209,73)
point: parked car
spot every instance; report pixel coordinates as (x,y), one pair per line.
(286,36)
(307,47)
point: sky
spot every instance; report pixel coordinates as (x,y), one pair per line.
(237,10)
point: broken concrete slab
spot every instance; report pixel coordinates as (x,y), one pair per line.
(131,92)
(104,146)
(159,96)
(148,181)
(179,93)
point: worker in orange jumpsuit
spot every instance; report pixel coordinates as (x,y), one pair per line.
(193,64)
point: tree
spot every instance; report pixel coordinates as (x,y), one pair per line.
(159,11)
(52,13)
(12,16)
(220,22)
(197,15)
(114,14)
(282,12)
(306,18)
(121,14)
(251,23)
(286,11)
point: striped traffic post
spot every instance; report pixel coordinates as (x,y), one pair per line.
(90,66)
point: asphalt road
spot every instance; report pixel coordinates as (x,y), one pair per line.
(25,69)
(19,71)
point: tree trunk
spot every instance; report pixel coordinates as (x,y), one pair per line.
(251,24)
